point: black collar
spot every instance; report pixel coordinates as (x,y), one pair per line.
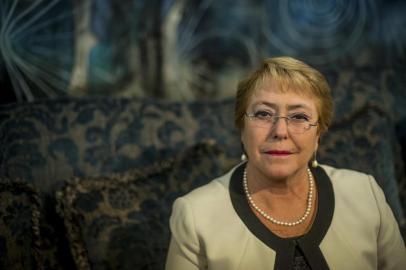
(285,247)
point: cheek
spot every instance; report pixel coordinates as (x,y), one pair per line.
(247,139)
(310,144)
(252,139)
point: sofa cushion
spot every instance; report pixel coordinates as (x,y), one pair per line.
(20,241)
(120,221)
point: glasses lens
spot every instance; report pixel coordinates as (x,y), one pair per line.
(297,127)
(293,126)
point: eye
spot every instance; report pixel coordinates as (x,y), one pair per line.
(300,117)
(263,115)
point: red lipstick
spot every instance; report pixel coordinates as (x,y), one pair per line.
(278,152)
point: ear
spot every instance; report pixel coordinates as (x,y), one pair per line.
(318,138)
(242,140)
(243,149)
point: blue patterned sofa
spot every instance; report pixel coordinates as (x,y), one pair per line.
(89,183)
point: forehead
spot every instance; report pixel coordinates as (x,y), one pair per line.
(271,95)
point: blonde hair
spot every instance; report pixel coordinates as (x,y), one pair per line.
(288,74)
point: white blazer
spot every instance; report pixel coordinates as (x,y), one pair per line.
(354,228)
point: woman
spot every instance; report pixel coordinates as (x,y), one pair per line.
(274,211)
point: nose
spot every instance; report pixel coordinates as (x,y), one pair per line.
(280,128)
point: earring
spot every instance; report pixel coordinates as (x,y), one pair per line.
(243,156)
(314,162)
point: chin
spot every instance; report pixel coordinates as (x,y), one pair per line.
(280,171)
(278,175)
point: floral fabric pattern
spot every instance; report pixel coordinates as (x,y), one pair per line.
(19,231)
(126,225)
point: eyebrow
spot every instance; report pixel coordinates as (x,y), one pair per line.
(290,107)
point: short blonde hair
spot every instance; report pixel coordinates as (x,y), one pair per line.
(289,74)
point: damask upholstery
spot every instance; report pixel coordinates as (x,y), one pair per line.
(20,241)
(121,221)
(51,141)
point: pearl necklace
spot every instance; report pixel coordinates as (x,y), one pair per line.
(278,222)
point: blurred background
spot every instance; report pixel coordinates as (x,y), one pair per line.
(188,50)
(184,49)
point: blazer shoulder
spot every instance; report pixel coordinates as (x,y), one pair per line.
(212,192)
(351,185)
(343,174)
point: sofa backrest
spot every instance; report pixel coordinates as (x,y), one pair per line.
(52,141)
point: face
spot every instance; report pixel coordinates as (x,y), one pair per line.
(275,152)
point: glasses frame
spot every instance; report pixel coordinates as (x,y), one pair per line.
(275,118)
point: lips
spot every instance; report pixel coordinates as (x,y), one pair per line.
(278,152)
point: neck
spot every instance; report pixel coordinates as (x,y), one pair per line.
(287,207)
(295,184)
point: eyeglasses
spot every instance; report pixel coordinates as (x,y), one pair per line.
(296,123)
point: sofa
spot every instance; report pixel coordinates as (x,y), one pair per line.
(88,183)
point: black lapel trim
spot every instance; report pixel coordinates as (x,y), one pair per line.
(285,248)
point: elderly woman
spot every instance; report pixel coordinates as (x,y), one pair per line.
(280,209)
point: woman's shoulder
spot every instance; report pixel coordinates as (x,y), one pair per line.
(208,203)
(344,174)
(351,183)
(216,189)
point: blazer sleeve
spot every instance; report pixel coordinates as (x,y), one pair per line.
(184,251)
(390,245)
